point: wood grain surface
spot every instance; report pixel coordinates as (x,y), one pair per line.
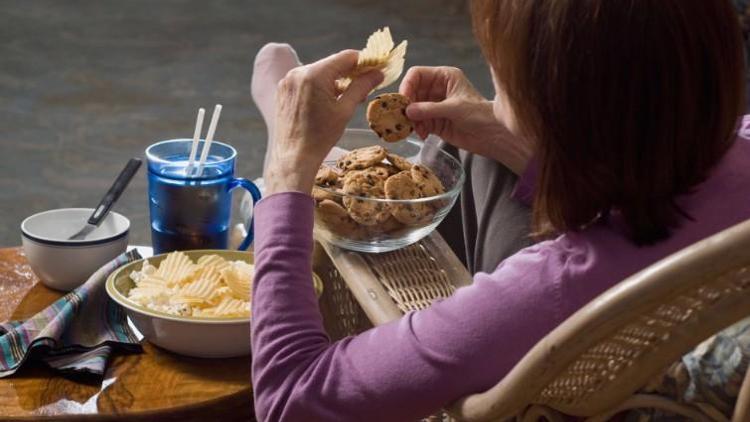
(154,385)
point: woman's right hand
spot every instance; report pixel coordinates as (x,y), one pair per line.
(445,103)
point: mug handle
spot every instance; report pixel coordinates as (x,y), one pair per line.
(255,194)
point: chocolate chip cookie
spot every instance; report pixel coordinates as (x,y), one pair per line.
(370,175)
(398,161)
(386,115)
(326,176)
(428,183)
(361,158)
(337,220)
(390,227)
(402,186)
(367,213)
(327,181)
(321,194)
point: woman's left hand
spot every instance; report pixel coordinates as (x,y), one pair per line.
(310,118)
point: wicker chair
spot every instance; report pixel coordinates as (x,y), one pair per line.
(594,363)
(742,409)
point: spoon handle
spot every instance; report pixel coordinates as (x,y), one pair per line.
(114,192)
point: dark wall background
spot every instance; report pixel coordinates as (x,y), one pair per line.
(84,85)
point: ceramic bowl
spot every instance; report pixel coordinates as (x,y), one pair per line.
(64,264)
(186,335)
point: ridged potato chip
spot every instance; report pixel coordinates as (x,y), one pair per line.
(228,308)
(153,281)
(201,288)
(378,54)
(148,269)
(233,307)
(188,300)
(175,268)
(394,66)
(212,261)
(147,294)
(378,47)
(219,294)
(239,277)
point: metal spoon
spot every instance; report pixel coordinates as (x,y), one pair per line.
(113,194)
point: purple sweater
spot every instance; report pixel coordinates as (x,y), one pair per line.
(413,366)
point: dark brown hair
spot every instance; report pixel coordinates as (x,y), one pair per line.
(631,102)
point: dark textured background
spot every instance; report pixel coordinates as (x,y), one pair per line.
(84,85)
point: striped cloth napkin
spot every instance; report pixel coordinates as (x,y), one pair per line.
(76,334)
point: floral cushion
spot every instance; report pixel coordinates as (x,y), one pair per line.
(709,377)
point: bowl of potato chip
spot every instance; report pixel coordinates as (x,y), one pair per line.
(376,196)
(195,303)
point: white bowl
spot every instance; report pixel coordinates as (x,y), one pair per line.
(64,264)
(187,335)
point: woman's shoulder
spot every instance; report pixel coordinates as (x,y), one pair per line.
(537,273)
(549,258)
(569,254)
(575,267)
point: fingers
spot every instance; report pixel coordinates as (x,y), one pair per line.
(421,111)
(426,127)
(422,129)
(416,81)
(359,88)
(410,82)
(427,83)
(338,64)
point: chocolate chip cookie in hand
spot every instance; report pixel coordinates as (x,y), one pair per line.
(386,115)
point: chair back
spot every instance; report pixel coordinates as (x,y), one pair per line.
(614,345)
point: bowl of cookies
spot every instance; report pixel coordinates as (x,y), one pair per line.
(376,195)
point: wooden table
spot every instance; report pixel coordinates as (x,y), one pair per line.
(153,386)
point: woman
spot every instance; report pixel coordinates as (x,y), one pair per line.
(621,120)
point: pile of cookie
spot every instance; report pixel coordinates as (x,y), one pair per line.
(351,199)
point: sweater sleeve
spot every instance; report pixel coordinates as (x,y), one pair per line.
(403,370)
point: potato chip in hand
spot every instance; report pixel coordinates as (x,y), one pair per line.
(378,54)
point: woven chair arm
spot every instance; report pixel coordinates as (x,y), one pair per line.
(387,285)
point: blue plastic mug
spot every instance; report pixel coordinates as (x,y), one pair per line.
(191,211)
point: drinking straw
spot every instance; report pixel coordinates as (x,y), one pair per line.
(209,139)
(196,139)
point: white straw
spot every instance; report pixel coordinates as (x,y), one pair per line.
(196,139)
(209,139)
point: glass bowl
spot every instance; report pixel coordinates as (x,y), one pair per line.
(343,231)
